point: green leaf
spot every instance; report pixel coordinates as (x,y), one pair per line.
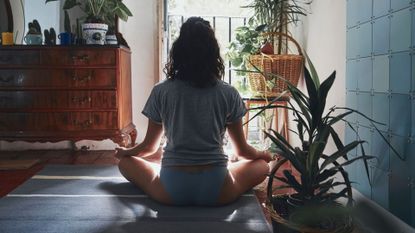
(124,8)
(293,181)
(313,71)
(70,4)
(325,175)
(339,153)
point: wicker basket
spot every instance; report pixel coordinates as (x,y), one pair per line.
(287,66)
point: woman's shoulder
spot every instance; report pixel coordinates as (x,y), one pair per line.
(226,87)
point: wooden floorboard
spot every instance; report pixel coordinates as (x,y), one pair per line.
(10,179)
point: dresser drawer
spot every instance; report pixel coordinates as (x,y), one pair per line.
(27,57)
(58,121)
(58,78)
(58,100)
(79,57)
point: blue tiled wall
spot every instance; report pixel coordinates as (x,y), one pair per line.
(380,82)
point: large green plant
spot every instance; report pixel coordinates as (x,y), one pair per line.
(102,11)
(316,183)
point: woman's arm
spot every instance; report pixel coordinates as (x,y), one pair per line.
(149,145)
(242,148)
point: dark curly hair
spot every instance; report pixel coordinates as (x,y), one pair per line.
(195,55)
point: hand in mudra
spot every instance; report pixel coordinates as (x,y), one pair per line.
(121,152)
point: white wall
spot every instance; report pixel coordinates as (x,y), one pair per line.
(140,32)
(323,36)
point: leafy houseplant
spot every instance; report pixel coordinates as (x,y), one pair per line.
(270,17)
(314,207)
(98,12)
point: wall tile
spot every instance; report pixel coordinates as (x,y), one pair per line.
(400,191)
(380,187)
(380,7)
(364,32)
(351,102)
(365,134)
(400,115)
(381,28)
(364,106)
(352,43)
(413,71)
(364,73)
(350,136)
(352,75)
(380,149)
(399,4)
(351,13)
(413,26)
(364,10)
(413,118)
(380,111)
(381,73)
(400,37)
(362,183)
(400,73)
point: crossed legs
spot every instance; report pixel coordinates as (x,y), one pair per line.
(242,176)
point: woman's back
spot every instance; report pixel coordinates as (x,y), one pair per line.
(194,119)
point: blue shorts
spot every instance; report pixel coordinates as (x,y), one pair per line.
(193,188)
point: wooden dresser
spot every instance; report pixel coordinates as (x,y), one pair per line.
(66,93)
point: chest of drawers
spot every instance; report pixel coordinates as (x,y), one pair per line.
(66,93)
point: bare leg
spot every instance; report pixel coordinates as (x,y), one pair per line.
(145,175)
(242,176)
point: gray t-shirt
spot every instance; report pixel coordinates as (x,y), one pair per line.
(194,120)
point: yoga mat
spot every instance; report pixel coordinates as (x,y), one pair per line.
(85,198)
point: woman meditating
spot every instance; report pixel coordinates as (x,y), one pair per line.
(193,108)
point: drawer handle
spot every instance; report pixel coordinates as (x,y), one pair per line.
(80,58)
(83,125)
(81,100)
(6,79)
(81,79)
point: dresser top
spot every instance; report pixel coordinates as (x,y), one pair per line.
(62,47)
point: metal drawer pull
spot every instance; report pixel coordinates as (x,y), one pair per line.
(6,79)
(83,125)
(81,79)
(81,58)
(81,100)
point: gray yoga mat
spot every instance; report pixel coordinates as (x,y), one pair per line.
(85,198)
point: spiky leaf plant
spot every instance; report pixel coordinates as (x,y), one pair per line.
(316,183)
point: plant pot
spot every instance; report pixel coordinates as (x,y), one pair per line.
(111,39)
(282,207)
(94,33)
(291,210)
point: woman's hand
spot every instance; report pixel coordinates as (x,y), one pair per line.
(121,152)
(265,155)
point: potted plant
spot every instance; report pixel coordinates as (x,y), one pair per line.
(34,34)
(262,42)
(314,206)
(100,17)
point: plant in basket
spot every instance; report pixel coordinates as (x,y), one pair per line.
(264,44)
(320,180)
